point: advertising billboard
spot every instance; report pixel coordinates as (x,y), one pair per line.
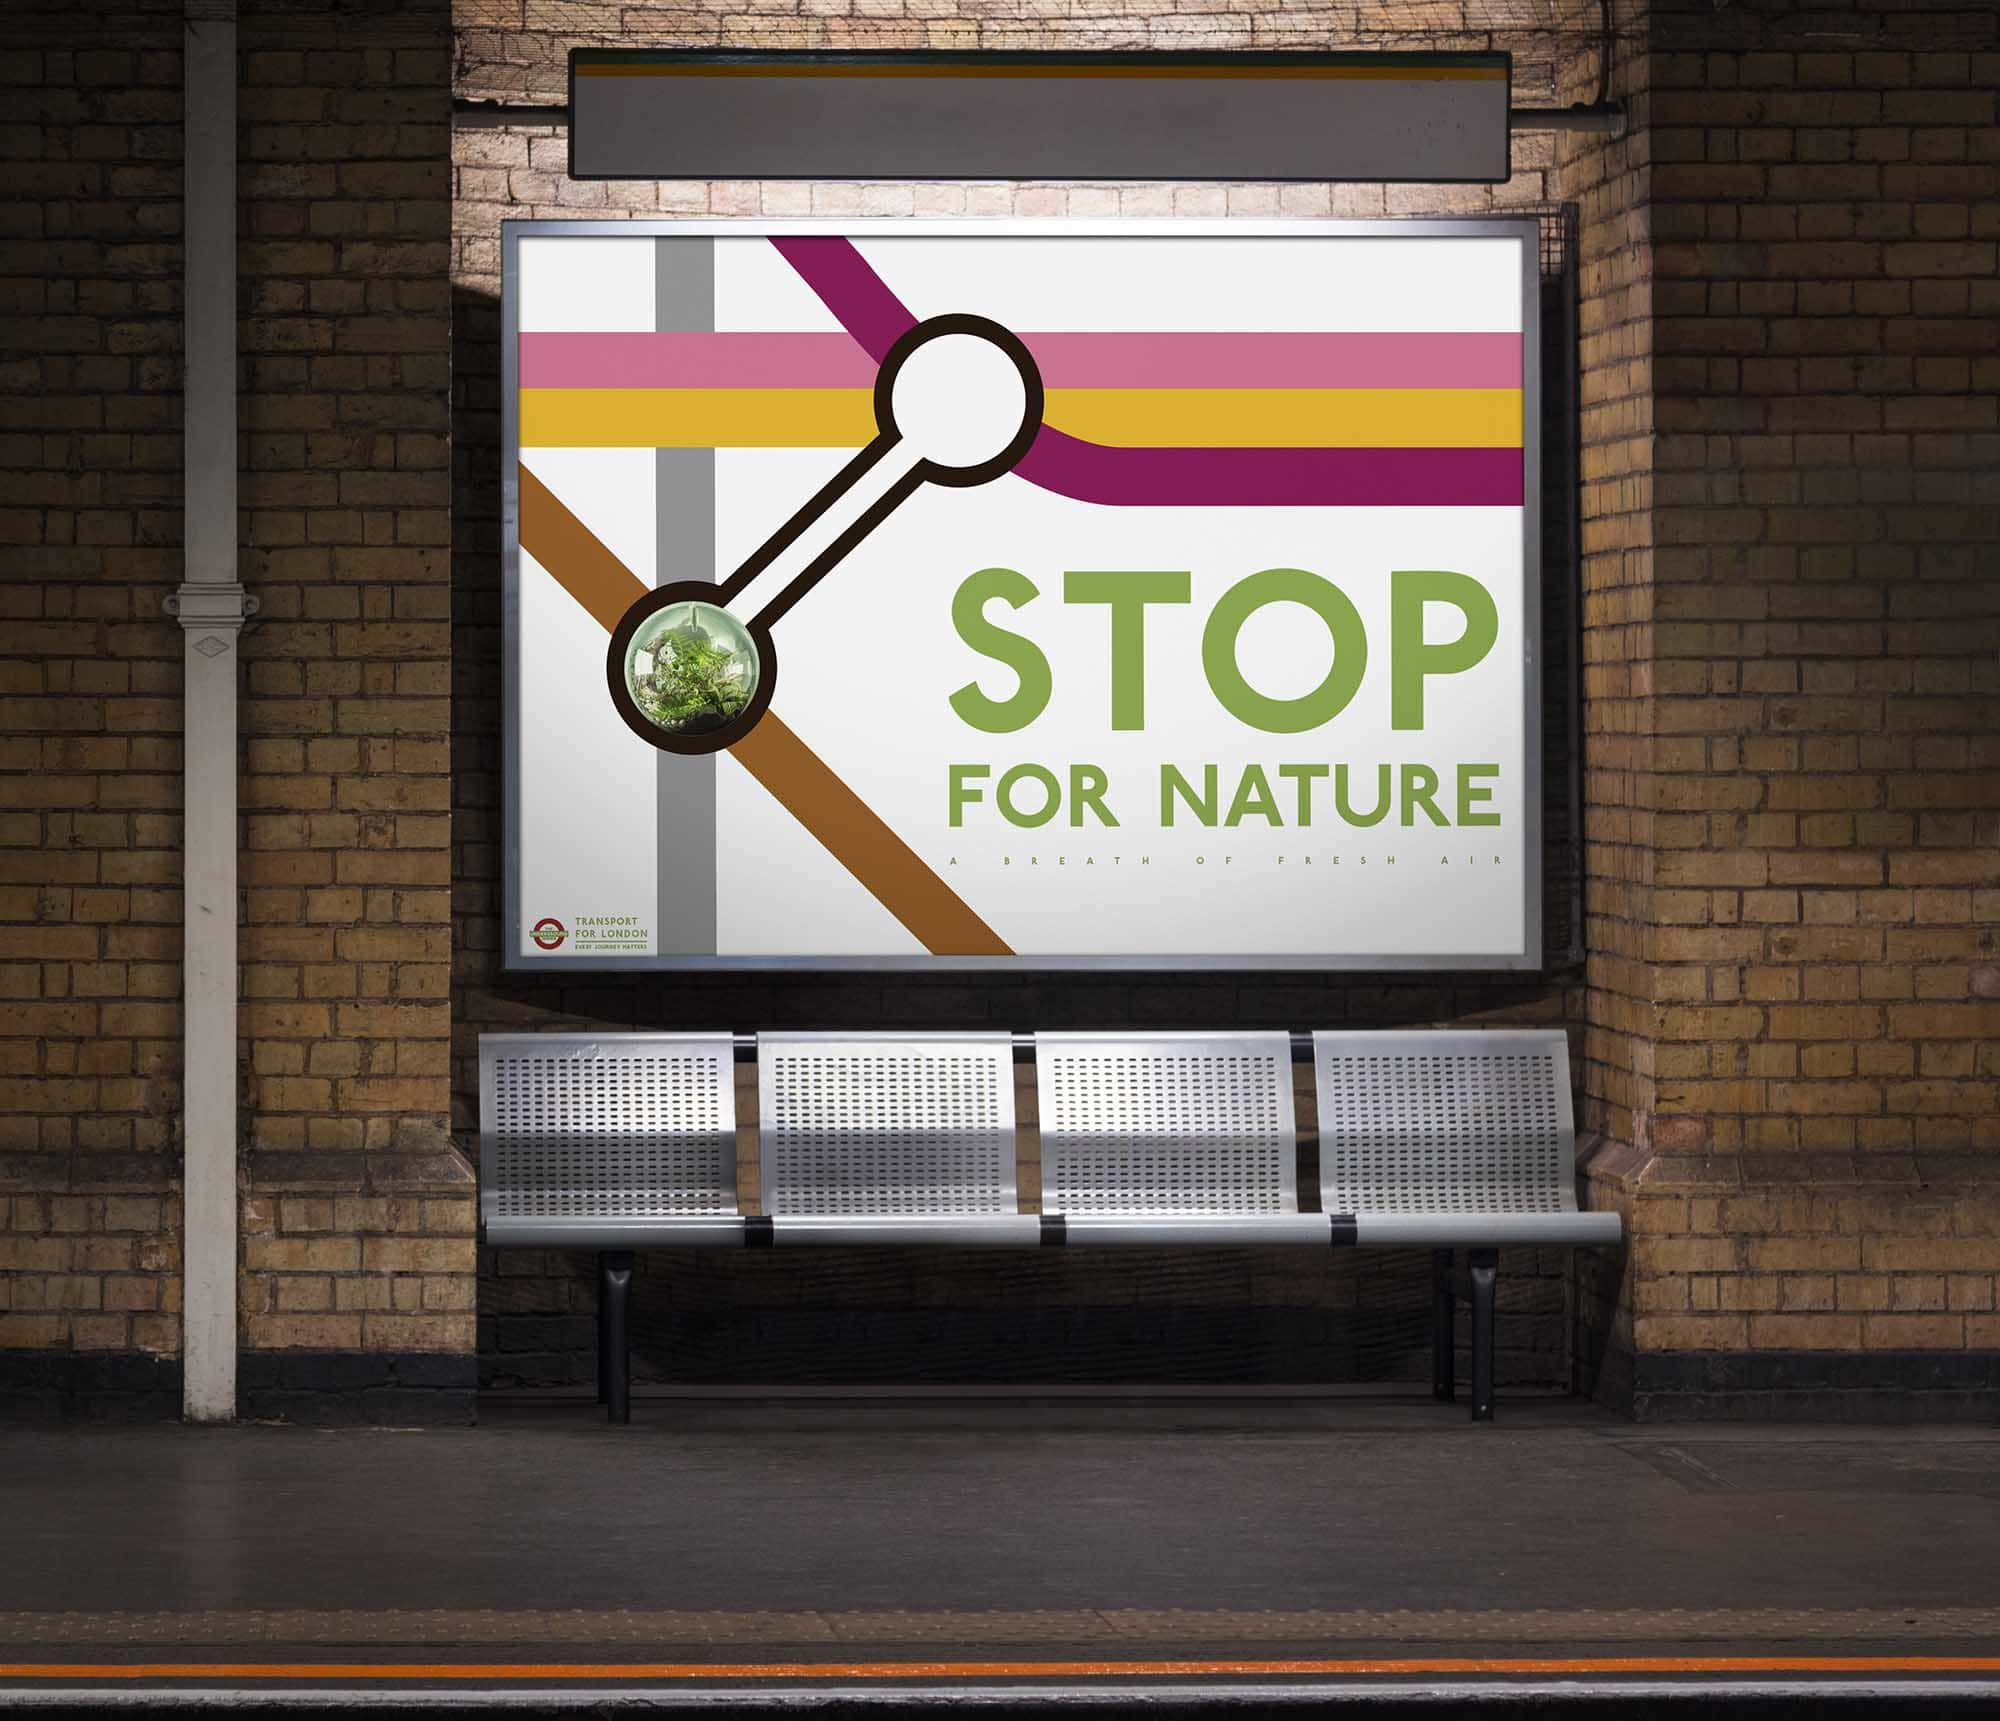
(962,594)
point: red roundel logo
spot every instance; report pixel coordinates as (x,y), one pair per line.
(548,932)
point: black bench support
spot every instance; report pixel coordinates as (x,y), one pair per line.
(1444,1318)
(1485,1265)
(614,1336)
(603,1335)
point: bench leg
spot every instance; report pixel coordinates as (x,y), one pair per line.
(614,1294)
(1485,1267)
(603,1334)
(1444,1316)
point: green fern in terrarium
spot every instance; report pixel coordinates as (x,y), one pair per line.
(697,682)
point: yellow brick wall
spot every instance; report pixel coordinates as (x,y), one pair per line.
(1789,1027)
(90,760)
(1796,716)
(345,491)
(357,1218)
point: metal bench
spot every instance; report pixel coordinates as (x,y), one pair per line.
(1439,1140)
(1426,1139)
(612,1142)
(1449,1139)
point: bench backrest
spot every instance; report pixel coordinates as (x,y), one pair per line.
(886,1123)
(1445,1122)
(1166,1123)
(628,1126)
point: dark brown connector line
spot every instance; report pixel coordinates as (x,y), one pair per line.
(793,529)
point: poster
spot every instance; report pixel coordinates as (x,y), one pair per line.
(973,594)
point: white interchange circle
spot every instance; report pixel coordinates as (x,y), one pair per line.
(958,400)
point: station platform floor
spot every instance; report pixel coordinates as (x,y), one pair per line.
(1131,1555)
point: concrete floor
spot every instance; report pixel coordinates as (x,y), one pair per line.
(1165,1560)
(708,1526)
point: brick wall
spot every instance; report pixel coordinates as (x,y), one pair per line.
(1608,179)
(357,1217)
(1788,419)
(516,50)
(848,1317)
(89,686)
(357,1212)
(1788,1023)
(1803,712)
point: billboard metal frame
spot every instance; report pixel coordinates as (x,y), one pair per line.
(1525,230)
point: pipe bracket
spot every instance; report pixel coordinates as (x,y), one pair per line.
(211,604)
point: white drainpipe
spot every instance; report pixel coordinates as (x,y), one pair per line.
(211,607)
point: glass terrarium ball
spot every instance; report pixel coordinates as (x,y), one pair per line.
(691,668)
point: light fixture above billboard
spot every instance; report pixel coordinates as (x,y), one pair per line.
(780,114)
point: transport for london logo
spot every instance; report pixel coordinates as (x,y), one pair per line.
(549,933)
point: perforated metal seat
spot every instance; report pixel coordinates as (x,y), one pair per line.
(614,1141)
(889,1138)
(1451,1137)
(1170,1138)
(1442,1139)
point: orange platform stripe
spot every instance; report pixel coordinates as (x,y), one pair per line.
(1391,1667)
